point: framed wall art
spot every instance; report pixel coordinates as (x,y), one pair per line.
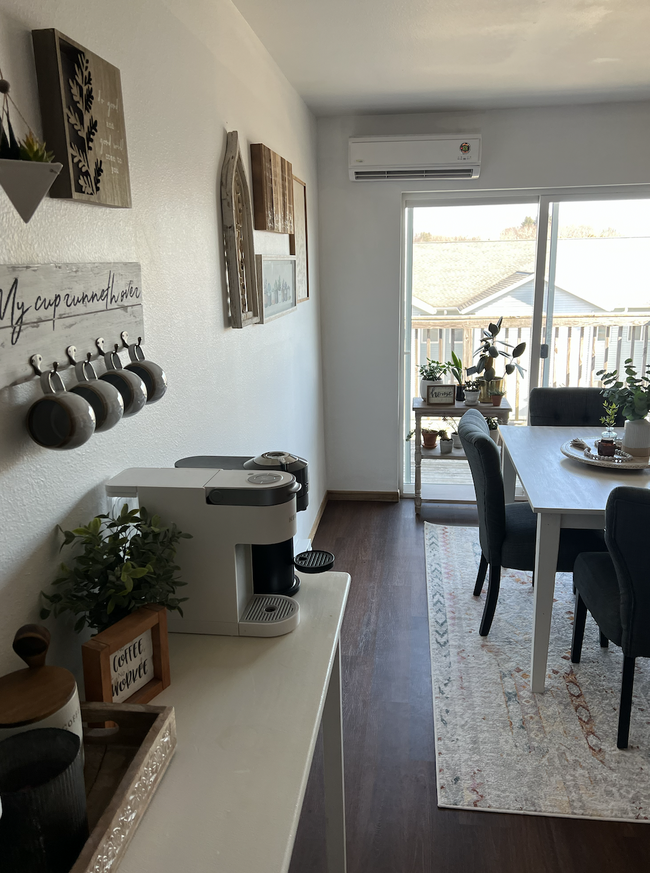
(298,244)
(83,120)
(272,190)
(276,279)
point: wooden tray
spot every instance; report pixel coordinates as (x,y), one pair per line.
(124,765)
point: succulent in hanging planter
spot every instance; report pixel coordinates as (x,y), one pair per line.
(30,148)
(489,353)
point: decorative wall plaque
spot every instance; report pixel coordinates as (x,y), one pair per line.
(83,120)
(298,245)
(238,237)
(272,190)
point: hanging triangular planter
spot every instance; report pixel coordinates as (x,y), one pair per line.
(26,183)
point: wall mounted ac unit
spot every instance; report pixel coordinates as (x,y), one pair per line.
(414,158)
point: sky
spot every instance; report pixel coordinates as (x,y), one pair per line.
(631,218)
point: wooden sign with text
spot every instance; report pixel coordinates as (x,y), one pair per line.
(83,120)
(44,308)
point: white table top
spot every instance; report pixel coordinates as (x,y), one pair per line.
(555,483)
(248,712)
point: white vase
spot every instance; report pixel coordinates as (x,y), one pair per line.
(456,441)
(636,439)
(446,447)
(423,386)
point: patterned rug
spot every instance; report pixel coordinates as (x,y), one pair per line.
(499,746)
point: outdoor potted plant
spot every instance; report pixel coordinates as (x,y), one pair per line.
(446,443)
(121,579)
(632,397)
(496,396)
(493,424)
(472,388)
(431,373)
(27,170)
(488,353)
(429,437)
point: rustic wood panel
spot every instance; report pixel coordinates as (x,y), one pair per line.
(44,308)
(272,190)
(83,120)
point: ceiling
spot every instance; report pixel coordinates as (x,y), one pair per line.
(385,56)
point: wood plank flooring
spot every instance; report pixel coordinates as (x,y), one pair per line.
(393,823)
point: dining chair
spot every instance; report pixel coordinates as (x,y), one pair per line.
(614,586)
(507,532)
(567,407)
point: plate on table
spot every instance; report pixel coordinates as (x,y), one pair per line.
(620,461)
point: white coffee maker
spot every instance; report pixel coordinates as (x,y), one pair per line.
(226,512)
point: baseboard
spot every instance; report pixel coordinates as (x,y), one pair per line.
(383,496)
(319,515)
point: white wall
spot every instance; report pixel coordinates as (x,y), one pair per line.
(360,250)
(190,72)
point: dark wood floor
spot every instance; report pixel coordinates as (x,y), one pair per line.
(393,823)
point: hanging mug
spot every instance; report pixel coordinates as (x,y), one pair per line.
(130,385)
(60,419)
(104,398)
(151,374)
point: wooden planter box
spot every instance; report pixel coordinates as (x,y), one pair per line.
(124,766)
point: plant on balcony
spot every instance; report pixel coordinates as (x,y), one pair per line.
(488,354)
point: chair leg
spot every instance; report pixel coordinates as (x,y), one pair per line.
(626,702)
(579,619)
(604,642)
(480,579)
(494,582)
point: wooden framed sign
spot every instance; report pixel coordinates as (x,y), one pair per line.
(129,661)
(442,394)
(298,245)
(83,120)
(272,190)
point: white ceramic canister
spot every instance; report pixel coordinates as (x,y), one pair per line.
(38,696)
(636,439)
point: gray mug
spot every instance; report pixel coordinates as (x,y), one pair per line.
(104,398)
(151,374)
(60,419)
(130,385)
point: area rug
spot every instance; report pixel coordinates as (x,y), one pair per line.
(499,746)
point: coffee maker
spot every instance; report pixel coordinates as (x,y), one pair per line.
(240,521)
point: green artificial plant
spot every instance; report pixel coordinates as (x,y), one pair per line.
(632,397)
(124,563)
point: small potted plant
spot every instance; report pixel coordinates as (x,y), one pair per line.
(493,424)
(429,437)
(607,442)
(455,436)
(456,370)
(496,396)
(632,397)
(472,388)
(446,442)
(431,373)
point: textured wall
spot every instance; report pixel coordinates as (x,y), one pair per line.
(190,72)
(361,250)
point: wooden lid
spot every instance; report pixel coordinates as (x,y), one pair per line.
(29,695)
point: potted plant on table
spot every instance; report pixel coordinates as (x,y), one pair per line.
(446,442)
(455,436)
(493,425)
(472,388)
(122,567)
(496,396)
(429,437)
(456,370)
(431,373)
(632,397)
(488,353)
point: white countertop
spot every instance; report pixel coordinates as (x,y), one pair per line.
(248,712)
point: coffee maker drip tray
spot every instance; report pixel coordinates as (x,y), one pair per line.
(269,615)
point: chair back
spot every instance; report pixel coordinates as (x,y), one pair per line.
(485,465)
(567,407)
(627,520)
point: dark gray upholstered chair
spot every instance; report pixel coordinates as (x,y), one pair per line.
(615,587)
(567,407)
(507,532)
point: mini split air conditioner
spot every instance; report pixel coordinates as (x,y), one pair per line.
(414,158)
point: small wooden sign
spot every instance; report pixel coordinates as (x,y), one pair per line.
(272,190)
(83,120)
(441,394)
(129,661)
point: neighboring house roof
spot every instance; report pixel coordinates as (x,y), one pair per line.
(608,274)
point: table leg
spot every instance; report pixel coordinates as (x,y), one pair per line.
(509,475)
(333,771)
(546,550)
(418,463)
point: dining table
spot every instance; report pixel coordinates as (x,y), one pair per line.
(563,492)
